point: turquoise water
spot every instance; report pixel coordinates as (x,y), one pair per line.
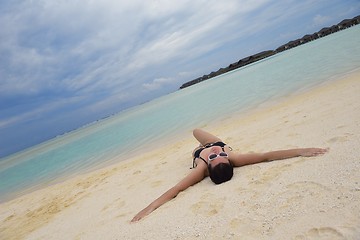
(96,145)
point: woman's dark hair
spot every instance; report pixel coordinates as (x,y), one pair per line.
(222,172)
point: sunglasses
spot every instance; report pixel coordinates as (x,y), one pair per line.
(214,155)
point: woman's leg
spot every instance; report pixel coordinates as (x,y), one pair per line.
(205,137)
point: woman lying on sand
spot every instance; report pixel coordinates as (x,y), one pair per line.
(214,158)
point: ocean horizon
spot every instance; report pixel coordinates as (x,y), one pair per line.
(144,126)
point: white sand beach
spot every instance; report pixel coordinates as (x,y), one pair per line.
(298,198)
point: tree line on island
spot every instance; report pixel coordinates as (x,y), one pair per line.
(253,58)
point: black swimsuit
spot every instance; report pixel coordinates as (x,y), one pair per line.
(197,152)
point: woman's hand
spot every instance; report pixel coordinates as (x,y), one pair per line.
(312,152)
(146,211)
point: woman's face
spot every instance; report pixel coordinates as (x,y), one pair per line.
(219,159)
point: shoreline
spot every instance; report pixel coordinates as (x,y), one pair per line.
(297,198)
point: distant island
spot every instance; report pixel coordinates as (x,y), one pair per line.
(253,58)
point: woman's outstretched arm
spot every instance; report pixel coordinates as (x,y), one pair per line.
(194,177)
(252,158)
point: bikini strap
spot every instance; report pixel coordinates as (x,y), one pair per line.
(194,166)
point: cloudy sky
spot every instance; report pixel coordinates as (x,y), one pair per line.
(67,63)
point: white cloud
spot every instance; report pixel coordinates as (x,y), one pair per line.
(98,45)
(157,83)
(201,31)
(320,20)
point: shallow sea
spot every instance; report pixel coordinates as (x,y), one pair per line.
(96,145)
